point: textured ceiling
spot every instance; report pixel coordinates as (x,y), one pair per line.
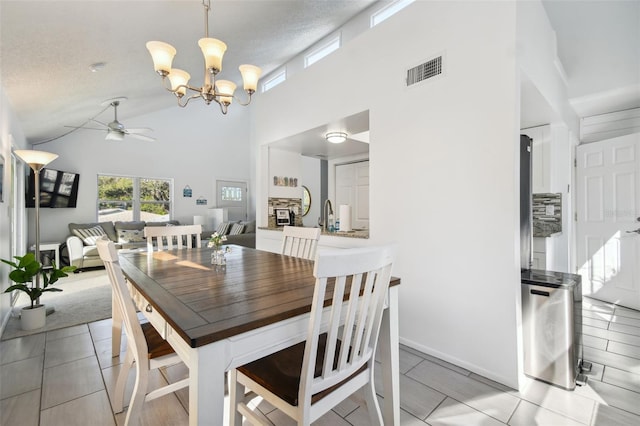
(46,48)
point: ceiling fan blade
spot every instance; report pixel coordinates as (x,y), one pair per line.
(100,123)
(138,130)
(142,137)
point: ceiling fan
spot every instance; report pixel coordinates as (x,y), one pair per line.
(115,129)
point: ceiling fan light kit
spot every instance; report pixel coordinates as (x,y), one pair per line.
(220,91)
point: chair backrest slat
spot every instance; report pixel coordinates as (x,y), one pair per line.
(300,241)
(357,281)
(159,237)
(124,301)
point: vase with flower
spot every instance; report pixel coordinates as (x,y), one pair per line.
(215,242)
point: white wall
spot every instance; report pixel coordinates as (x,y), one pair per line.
(10,134)
(443,165)
(311,179)
(195,146)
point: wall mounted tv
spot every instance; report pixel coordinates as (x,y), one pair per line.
(58,189)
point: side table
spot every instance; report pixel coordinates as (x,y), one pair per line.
(54,247)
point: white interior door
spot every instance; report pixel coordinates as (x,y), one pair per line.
(233,196)
(608,227)
(352,188)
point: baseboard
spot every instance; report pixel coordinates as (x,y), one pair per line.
(460,363)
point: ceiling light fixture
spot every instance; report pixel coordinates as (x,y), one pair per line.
(336,137)
(220,91)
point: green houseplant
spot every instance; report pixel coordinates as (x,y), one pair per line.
(23,275)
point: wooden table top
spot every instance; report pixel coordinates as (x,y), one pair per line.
(204,303)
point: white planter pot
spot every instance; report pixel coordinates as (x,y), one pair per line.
(30,319)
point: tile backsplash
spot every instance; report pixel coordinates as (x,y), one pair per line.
(547,214)
(294,204)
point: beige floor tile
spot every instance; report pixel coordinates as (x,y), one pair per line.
(103,351)
(568,404)
(110,375)
(408,360)
(614,396)
(100,329)
(330,419)
(22,410)
(610,416)
(624,349)
(360,417)
(612,359)
(162,411)
(528,414)
(477,395)
(93,409)
(624,379)
(67,332)
(68,349)
(21,348)
(455,413)
(418,399)
(70,380)
(20,376)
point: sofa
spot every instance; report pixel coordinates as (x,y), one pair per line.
(83,252)
(81,247)
(241,233)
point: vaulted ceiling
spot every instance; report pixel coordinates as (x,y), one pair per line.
(47,47)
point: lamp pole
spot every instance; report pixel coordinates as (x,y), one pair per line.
(37,160)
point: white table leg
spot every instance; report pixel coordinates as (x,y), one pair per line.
(116,327)
(390,360)
(206,385)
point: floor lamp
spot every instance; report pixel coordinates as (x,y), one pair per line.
(36,160)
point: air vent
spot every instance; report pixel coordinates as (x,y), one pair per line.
(424,71)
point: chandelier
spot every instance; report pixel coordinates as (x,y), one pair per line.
(220,91)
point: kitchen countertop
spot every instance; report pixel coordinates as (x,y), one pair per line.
(350,234)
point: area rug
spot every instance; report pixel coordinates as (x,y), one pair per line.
(85,297)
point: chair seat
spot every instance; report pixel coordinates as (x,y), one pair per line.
(157,345)
(279,372)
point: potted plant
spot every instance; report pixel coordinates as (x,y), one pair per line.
(23,275)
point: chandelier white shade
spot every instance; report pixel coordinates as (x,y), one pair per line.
(336,137)
(35,159)
(220,91)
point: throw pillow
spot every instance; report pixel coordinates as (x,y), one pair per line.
(89,236)
(223,228)
(130,236)
(236,229)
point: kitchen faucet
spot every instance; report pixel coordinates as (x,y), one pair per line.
(325,222)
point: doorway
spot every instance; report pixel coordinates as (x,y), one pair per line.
(232,195)
(608,219)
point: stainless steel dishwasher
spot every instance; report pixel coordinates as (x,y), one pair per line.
(552,327)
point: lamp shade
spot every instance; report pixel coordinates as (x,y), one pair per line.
(213,50)
(178,78)
(162,54)
(35,159)
(336,137)
(250,76)
(225,88)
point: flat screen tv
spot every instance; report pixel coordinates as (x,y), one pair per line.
(58,189)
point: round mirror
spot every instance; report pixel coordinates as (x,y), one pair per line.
(306,200)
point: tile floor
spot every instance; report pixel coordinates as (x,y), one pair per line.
(69,374)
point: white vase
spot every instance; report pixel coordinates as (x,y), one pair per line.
(30,319)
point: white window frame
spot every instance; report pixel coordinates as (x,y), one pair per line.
(274,80)
(388,11)
(330,46)
(136,200)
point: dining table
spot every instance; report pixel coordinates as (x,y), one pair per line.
(220,317)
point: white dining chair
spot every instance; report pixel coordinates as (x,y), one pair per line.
(159,237)
(308,379)
(145,347)
(299,241)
